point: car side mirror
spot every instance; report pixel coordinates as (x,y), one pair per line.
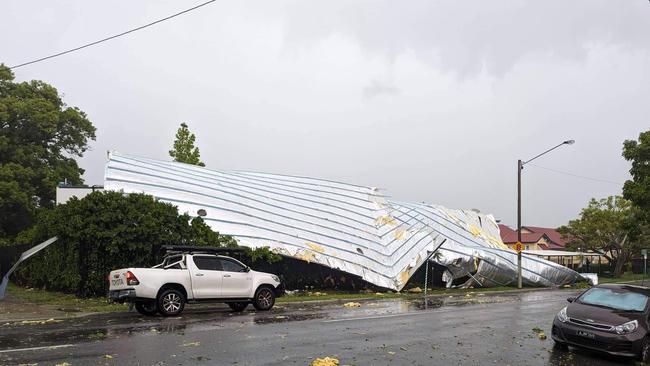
(571,299)
(247,269)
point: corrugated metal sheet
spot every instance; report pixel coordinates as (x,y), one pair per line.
(353,228)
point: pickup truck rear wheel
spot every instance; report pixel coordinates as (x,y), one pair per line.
(264,299)
(171,302)
(238,306)
(146,307)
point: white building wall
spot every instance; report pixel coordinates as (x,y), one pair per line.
(63,194)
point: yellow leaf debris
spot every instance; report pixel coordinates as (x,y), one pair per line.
(326,361)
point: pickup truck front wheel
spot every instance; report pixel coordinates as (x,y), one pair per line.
(146,308)
(171,302)
(264,299)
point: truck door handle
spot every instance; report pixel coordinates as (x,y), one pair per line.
(199,274)
(226,275)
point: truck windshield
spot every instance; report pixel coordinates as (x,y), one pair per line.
(618,300)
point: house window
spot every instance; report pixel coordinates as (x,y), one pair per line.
(527,247)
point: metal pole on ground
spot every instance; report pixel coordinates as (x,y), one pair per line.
(644,252)
(426,278)
(426,273)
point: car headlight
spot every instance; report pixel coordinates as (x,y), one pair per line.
(275,278)
(628,327)
(561,316)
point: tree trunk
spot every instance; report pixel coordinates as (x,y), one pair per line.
(621,260)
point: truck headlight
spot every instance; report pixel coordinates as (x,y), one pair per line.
(275,278)
(562,316)
(628,327)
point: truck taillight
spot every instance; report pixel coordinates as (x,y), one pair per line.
(131,279)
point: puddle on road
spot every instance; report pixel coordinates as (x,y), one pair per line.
(287,318)
(427,304)
(97,328)
(455,301)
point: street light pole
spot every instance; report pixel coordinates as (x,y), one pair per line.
(520,167)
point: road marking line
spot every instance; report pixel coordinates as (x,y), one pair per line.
(37,348)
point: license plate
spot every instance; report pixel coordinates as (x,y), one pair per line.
(117,282)
(586,334)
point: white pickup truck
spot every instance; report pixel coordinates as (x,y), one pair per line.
(193,276)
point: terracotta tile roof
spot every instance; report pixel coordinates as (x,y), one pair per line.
(506,230)
(555,241)
(552,234)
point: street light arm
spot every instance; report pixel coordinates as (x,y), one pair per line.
(520,166)
(567,142)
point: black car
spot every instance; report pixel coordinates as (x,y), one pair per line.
(607,318)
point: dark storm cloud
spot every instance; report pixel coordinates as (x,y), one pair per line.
(469,37)
(432,100)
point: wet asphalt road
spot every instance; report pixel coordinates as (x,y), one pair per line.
(459,330)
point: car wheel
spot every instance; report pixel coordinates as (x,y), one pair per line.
(148,308)
(171,302)
(238,306)
(644,355)
(264,299)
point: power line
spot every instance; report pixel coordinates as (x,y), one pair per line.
(577,176)
(113,36)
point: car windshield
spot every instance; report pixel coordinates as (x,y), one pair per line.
(619,300)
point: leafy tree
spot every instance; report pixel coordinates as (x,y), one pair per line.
(108,230)
(609,227)
(104,231)
(184,150)
(637,190)
(39,138)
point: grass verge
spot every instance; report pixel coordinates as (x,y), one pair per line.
(71,303)
(64,302)
(626,277)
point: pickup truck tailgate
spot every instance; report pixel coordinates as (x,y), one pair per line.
(117,280)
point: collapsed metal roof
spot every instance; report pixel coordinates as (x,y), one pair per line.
(355,229)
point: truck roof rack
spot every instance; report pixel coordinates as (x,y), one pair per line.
(170,249)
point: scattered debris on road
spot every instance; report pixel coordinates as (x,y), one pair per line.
(41,321)
(191,344)
(415,290)
(327,361)
(316,293)
(540,333)
(352,304)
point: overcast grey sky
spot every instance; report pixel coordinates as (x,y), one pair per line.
(431,100)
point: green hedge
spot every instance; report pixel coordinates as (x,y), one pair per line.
(105,231)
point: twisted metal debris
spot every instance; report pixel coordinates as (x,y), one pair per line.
(353,228)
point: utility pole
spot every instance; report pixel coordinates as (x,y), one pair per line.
(520,167)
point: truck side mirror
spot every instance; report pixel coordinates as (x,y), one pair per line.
(571,299)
